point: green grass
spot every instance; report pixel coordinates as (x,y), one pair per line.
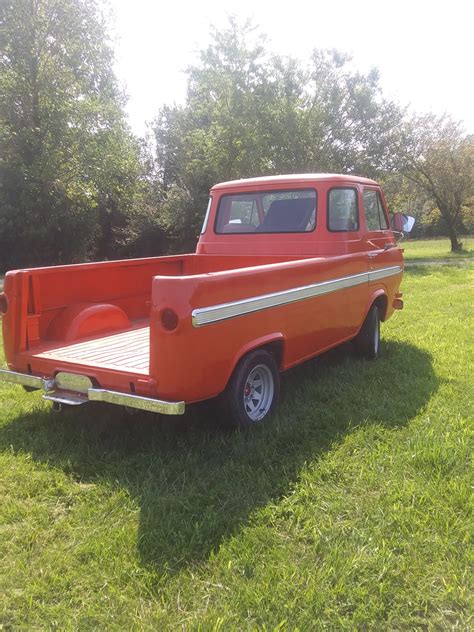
(348,511)
(439,248)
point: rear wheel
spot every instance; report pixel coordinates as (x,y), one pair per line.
(253,390)
(367,341)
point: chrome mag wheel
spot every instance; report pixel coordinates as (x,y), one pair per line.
(258,392)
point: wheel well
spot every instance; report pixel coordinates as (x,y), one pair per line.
(276,349)
(382,303)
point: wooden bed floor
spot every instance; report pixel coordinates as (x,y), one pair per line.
(127,351)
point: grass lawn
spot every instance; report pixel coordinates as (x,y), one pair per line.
(439,248)
(347,511)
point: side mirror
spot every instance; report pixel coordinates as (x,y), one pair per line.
(402,223)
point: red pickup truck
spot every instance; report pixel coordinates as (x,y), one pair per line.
(286,267)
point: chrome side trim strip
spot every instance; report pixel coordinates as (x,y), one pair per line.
(207,315)
(381,273)
(136,401)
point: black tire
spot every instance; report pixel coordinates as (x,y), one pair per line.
(367,342)
(241,410)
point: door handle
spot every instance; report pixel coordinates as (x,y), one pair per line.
(373,254)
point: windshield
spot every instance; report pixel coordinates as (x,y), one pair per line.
(206,217)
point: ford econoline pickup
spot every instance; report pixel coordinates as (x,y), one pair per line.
(286,267)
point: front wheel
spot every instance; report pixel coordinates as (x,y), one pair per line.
(253,389)
(367,341)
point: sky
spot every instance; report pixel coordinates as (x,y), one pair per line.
(424,50)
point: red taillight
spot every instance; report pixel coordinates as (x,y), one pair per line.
(3,303)
(169,319)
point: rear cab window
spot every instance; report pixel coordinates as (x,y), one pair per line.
(289,211)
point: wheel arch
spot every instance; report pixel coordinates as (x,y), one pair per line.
(273,343)
(380,298)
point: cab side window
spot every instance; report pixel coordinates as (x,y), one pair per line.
(343,213)
(374,214)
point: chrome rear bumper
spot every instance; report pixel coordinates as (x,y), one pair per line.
(54,393)
(22,378)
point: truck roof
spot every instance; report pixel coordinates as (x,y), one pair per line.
(291,179)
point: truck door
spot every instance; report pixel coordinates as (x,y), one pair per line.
(383,254)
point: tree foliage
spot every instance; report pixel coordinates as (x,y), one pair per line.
(438,157)
(69,167)
(76,184)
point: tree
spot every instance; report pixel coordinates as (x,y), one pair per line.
(351,127)
(69,168)
(248,113)
(439,158)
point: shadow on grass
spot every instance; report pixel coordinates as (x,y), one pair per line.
(197,483)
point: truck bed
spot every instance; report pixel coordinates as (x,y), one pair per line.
(125,351)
